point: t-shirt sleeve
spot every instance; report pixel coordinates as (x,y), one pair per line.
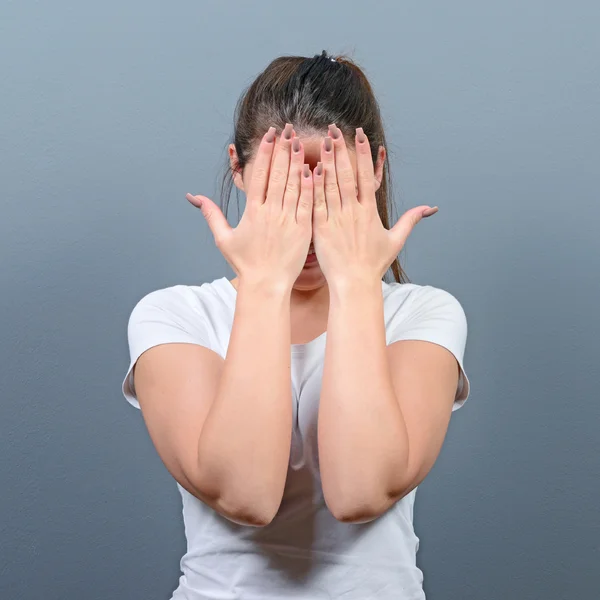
(434,315)
(162,317)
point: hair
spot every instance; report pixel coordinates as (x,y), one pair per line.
(311,93)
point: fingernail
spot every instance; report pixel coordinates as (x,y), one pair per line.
(429,212)
(306,171)
(287,131)
(319,169)
(335,132)
(328,144)
(360,135)
(296,145)
(270,135)
(197,201)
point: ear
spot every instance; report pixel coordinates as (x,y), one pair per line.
(381,153)
(237,172)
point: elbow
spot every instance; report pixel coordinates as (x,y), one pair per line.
(360,507)
(241,508)
(355,506)
(242,501)
(255,516)
(355,515)
(258,513)
(356,512)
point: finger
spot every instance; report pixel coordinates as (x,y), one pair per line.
(343,167)
(366,172)
(305,202)
(319,203)
(216,220)
(278,143)
(280,168)
(407,222)
(332,191)
(257,189)
(292,188)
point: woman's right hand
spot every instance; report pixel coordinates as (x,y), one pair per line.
(271,241)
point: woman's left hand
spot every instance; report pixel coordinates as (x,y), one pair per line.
(350,240)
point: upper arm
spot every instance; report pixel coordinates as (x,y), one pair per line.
(425,354)
(175,385)
(173,377)
(425,378)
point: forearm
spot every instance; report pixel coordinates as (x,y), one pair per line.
(363,444)
(245,442)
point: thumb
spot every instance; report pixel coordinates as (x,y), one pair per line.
(407,222)
(212,213)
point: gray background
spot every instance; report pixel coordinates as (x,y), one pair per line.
(110,112)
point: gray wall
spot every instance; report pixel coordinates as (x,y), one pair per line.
(110,112)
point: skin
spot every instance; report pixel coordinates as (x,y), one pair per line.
(310,292)
(223,427)
(383,413)
(395,399)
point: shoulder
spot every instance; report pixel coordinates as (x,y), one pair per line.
(195,313)
(178,297)
(179,314)
(414,300)
(176,314)
(191,301)
(424,312)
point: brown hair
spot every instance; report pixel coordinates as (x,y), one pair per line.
(311,93)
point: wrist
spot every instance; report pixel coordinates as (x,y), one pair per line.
(354,286)
(264,285)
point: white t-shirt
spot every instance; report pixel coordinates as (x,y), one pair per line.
(305,553)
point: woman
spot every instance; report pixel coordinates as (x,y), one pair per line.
(299,405)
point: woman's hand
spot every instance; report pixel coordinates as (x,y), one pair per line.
(349,237)
(271,242)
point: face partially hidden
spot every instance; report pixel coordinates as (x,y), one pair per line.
(311,277)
